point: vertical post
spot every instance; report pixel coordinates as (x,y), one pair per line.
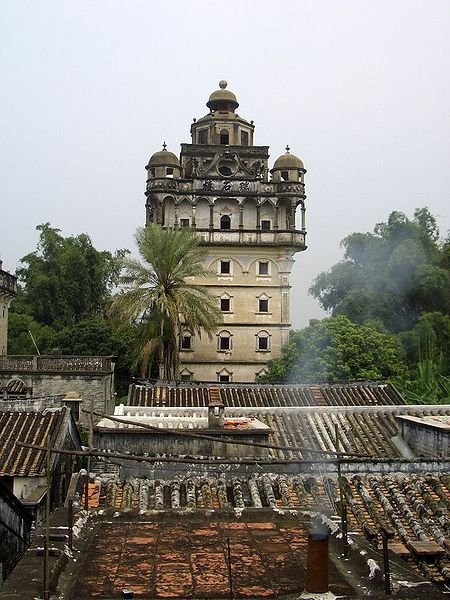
(70,522)
(229,569)
(341,494)
(46,594)
(386,534)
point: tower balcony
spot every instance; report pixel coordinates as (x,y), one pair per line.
(8,283)
(293,238)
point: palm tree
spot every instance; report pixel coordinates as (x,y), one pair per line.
(157,291)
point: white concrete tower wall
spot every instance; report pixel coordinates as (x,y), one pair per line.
(245,218)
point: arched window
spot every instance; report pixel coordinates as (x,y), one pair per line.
(224,137)
(224,341)
(262,342)
(225,222)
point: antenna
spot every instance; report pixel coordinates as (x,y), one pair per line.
(34,342)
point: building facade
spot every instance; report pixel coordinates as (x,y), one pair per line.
(8,291)
(245,216)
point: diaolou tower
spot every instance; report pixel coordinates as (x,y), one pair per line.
(245,216)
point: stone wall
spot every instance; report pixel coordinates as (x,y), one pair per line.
(90,377)
(15,526)
(426,439)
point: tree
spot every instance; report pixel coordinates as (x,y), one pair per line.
(157,292)
(66,279)
(95,336)
(335,349)
(391,275)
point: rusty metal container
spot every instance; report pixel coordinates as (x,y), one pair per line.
(317,564)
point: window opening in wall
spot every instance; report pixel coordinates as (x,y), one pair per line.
(263,267)
(152,172)
(224,341)
(285,175)
(225,222)
(169,172)
(186,342)
(184,222)
(225,304)
(263,305)
(203,136)
(262,342)
(224,137)
(224,378)
(265,225)
(244,138)
(225,267)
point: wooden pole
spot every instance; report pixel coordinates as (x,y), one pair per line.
(46,594)
(341,494)
(229,569)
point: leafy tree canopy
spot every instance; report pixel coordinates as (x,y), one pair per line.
(159,292)
(66,279)
(335,349)
(391,275)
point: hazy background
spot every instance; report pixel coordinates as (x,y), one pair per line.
(360,90)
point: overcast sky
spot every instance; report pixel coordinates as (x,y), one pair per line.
(360,90)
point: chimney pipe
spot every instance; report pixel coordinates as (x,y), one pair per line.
(317,563)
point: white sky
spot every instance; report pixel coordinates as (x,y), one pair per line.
(360,90)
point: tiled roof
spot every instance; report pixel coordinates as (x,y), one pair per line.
(416,507)
(32,428)
(370,394)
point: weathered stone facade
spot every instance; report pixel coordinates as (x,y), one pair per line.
(245,216)
(8,291)
(91,377)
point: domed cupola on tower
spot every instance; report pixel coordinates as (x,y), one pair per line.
(222,126)
(163,164)
(222,99)
(288,167)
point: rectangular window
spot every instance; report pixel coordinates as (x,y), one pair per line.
(263,305)
(244,138)
(186,342)
(224,378)
(285,175)
(203,136)
(263,343)
(263,268)
(225,267)
(265,225)
(185,377)
(224,343)
(169,172)
(184,222)
(225,304)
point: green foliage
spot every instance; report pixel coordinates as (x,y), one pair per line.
(66,279)
(158,293)
(19,338)
(95,336)
(428,386)
(391,275)
(335,349)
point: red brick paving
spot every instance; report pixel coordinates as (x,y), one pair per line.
(165,560)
